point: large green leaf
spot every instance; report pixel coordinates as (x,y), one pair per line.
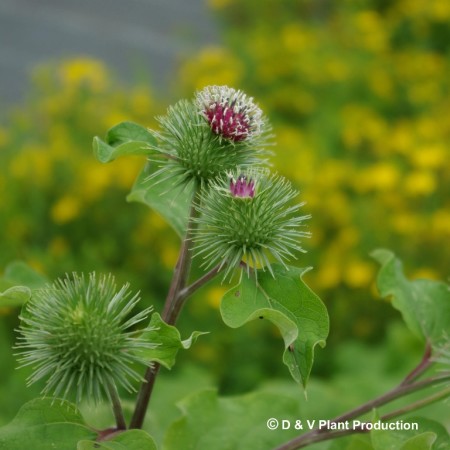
(124,139)
(44,424)
(168,341)
(424,304)
(159,194)
(235,423)
(15,296)
(20,273)
(128,138)
(128,440)
(429,435)
(287,302)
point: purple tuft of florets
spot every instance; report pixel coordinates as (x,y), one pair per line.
(242,188)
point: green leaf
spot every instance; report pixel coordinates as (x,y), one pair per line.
(429,435)
(424,304)
(15,296)
(128,138)
(124,139)
(168,341)
(20,273)
(422,441)
(128,440)
(18,282)
(235,423)
(160,195)
(43,424)
(287,302)
(352,443)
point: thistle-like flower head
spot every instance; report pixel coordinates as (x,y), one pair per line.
(75,334)
(231,114)
(201,139)
(247,216)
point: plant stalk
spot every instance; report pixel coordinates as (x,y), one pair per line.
(116,406)
(189,290)
(401,390)
(176,297)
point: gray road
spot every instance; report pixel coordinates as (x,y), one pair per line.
(149,36)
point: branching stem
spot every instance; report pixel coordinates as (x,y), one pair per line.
(176,297)
(406,387)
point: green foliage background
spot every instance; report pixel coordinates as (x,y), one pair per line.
(358,96)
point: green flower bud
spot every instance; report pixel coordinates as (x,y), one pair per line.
(75,334)
(195,144)
(246,216)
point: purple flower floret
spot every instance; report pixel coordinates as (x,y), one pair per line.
(242,188)
(230,113)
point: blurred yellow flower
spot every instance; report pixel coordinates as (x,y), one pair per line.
(66,209)
(222,67)
(141,100)
(294,37)
(440,223)
(380,177)
(358,273)
(329,274)
(215,294)
(401,137)
(420,183)
(336,69)
(78,71)
(371,31)
(406,223)
(425,273)
(431,156)
(440,10)
(169,256)
(381,82)
(94,179)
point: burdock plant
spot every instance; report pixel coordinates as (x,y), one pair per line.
(80,336)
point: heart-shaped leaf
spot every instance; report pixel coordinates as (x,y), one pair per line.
(287,302)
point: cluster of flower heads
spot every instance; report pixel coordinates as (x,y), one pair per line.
(219,140)
(75,334)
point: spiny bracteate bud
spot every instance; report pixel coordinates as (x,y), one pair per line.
(246,216)
(217,131)
(76,335)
